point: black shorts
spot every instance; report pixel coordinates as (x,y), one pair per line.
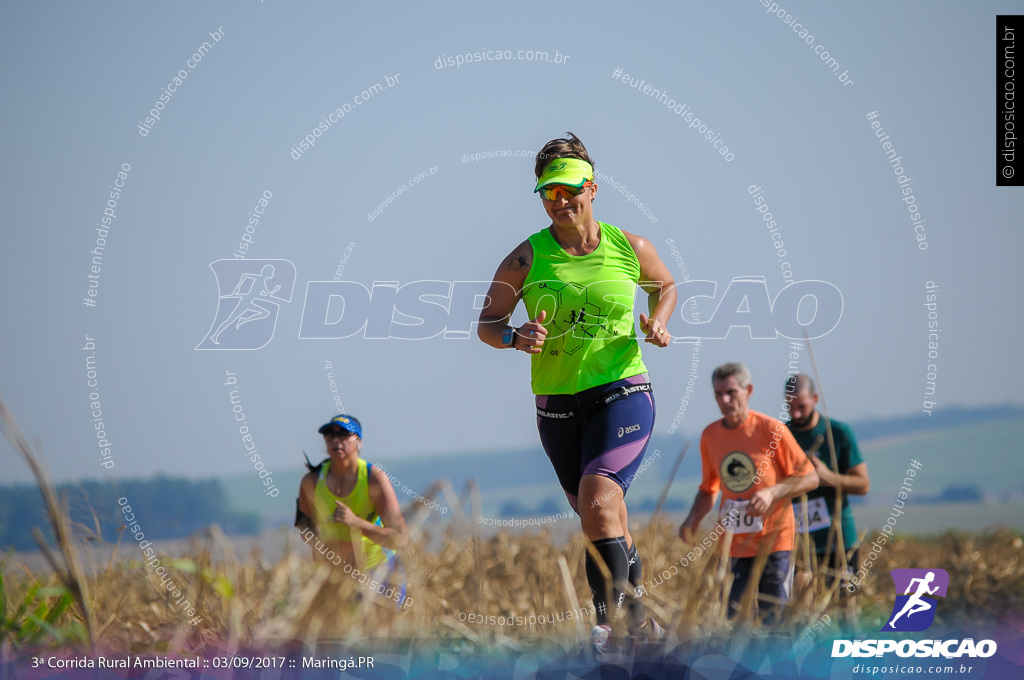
(584,436)
(776,580)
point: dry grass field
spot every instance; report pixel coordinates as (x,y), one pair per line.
(504,590)
(467,591)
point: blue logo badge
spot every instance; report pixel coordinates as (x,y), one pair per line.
(915,608)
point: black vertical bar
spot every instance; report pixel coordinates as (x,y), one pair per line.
(1008,147)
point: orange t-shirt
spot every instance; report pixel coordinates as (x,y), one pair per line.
(761,447)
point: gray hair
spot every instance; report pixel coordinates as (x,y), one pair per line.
(726,371)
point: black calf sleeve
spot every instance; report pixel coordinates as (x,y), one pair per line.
(613,552)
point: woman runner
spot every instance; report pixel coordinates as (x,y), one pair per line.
(344,495)
(595,409)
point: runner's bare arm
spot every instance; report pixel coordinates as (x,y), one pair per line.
(393,534)
(791,487)
(503,296)
(657,282)
(702,505)
(306,490)
(855,482)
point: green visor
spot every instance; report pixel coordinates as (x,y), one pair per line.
(568,171)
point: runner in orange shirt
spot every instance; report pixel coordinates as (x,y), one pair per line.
(758,466)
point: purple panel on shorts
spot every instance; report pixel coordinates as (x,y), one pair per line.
(616,459)
(621,462)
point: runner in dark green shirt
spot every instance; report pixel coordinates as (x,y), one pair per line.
(807,424)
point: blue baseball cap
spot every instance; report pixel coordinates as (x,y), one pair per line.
(345,422)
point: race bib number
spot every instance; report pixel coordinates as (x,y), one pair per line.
(817,516)
(735,517)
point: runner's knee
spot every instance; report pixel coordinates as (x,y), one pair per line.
(600,518)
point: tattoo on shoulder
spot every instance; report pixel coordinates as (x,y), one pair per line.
(518,262)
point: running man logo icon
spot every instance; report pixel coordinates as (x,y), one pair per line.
(250,296)
(914,611)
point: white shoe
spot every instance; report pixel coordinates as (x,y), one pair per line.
(600,638)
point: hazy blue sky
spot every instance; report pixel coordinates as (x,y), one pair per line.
(78,79)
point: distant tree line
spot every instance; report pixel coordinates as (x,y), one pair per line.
(164,508)
(948,417)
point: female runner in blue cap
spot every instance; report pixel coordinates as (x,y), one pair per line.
(345,497)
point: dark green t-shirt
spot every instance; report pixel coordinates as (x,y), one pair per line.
(847,456)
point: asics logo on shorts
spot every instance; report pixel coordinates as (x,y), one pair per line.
(627,430)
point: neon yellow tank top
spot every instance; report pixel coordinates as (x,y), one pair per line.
(358,502)
(589,303)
